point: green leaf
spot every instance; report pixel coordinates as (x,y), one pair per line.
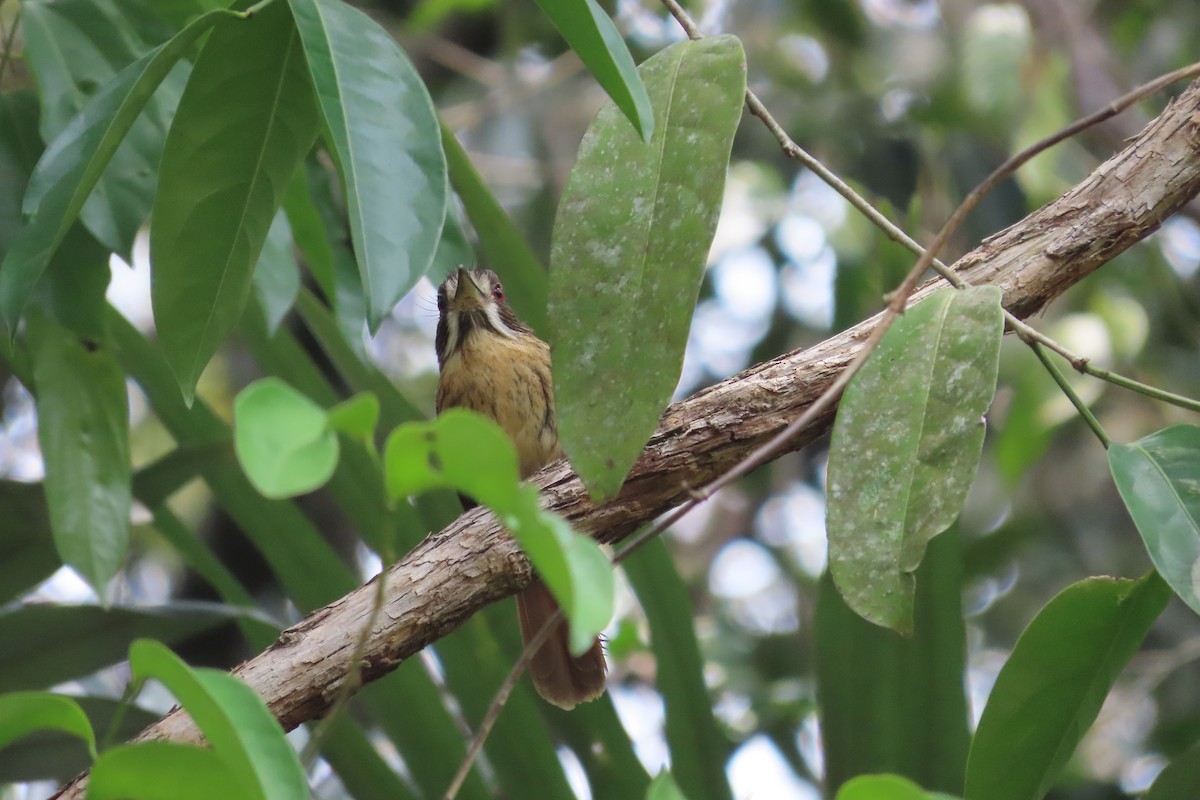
(1180,780)
(1156,477)
(165,771)
(309,232)
(629,248)
(663,787)
(891,703)
(507,252)
(79,50)
(283,440)
(905,446)
(277,275)
(244,124)
(699,748)
(598,43)
(76,160)
(880,787)
(466,452)
(27,554)
(232,717)
(22,713)
(52,754)
(356,417)
(20,148)
(83,430)
(1051,689)
(46,645)
(383,130)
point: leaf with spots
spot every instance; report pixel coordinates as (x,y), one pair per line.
(905,447)
(629,248)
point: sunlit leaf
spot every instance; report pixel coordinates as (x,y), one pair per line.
(22,713)
(629,248)
(283,440)
(83,429)
(663,787)
(1051,688)
(384,133)
(1157,479)
(356,417)
(880,787)
(472,455)
(905,446)
(598,43)
(166,771)
(224,176)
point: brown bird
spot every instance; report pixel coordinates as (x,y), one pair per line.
(492,363)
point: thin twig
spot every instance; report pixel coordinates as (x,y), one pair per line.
(1075,399)
(897,300)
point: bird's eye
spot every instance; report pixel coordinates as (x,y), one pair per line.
(498,292)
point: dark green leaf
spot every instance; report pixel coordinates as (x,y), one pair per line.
(699,750)
(905,447)
(166,771)
(471,454)
(507,252)
(383,130)
(223,178)
(232,716)
(83,429)
(277,276)
(75,161)
(598,43)
(22,713)
(1051,689)
(47,645)
(27,554)
(79,50)
(283,440)
(629,248)
(1180,780)
(453,250)
(20,148)
(891,703)
(1156,477)
(309,231)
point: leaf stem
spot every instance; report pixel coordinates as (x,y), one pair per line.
(1071,394)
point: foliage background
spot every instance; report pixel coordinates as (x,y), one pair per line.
(913,102)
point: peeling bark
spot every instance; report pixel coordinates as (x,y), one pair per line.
(471,563)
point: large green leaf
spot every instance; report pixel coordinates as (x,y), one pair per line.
(699,750)
(233,718)
(891,703)
(596,40)
(27,554)
(20,148)
(384,133)
(47,645)
(1052,686)
(283,439)
(76,49)
(245,122)
(629,248)
(905,446)
(881,787)
(1157,479)
(83,429)
(77,159)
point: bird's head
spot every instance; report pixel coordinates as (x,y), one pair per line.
(471,303)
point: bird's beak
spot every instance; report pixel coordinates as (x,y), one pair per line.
(466,294)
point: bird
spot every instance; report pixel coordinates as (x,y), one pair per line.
(491,362)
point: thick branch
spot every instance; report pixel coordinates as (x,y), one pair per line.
(454,573)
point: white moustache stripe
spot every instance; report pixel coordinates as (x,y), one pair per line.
(493,315)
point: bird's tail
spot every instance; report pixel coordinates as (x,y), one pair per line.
(559,677)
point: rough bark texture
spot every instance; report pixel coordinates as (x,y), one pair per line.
(471,563)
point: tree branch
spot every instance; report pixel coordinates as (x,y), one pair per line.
(471,563)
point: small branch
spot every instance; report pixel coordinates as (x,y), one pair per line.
(1071,394)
